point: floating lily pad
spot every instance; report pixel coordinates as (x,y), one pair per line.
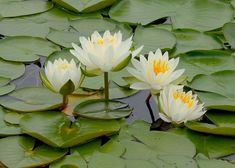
(11,70)
(206,62)
(189,40)
(70,161)
(183,13)
(13,117)
(6,89)
(229,33)
(212,146)
(31,99)
(13,8)
(211,128)
(162,142)
(205,163)
(103,109)
(4,81)
(102,160)
(217,101)
(63,38)
(153,38)
(85,5)
(25,48)
(63,133)
(86,150)
(86,26)
(20,151)
(221,82)
(5,128)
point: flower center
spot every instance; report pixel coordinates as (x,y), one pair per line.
(160,66)
(112,40)
(184,98)
(100,41)
(64,66)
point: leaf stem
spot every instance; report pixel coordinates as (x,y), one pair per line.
(106,85)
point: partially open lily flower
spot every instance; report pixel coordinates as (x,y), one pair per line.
(61,71)
(156,72)
(104,53)
(178,106)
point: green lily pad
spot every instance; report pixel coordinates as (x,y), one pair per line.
(5,128)
(162,142)
(205,163)
(217,101)
(4,81)
(70,161)
(20,151)
(102,160)
(213,146)
(210,128)
(39,25)
(86,26)
(139,164)
(85,5)
(13,117)
(63,38)
(192,14)
(86,150)
(229,33)
(206,62)
(221,82)
(113,147)
(103,109)
(31,99)
(189,40)
(223,123)
(11,70)
(13,8)
(153,38)
(25,48)
(6,89)
(63,133)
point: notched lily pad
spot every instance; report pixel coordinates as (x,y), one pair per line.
(55,129)
(20,151)
(7,129)
(13,8)
(25,49)
(31,99)
(103,109)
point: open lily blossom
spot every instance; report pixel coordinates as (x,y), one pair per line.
(105,53)
(155,72)
(178,106)
(61,71)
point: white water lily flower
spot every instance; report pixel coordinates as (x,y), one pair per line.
(178,106)
(105,53)
(61,71)
(156,72)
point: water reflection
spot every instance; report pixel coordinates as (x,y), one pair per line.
(140,108)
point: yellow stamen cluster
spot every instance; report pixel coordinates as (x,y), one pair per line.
(64,66)
(100,41)
(112,40)
(185,98)
(160,66)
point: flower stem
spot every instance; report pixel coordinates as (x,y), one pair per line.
(65,102)
(106,85)
(149,107)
